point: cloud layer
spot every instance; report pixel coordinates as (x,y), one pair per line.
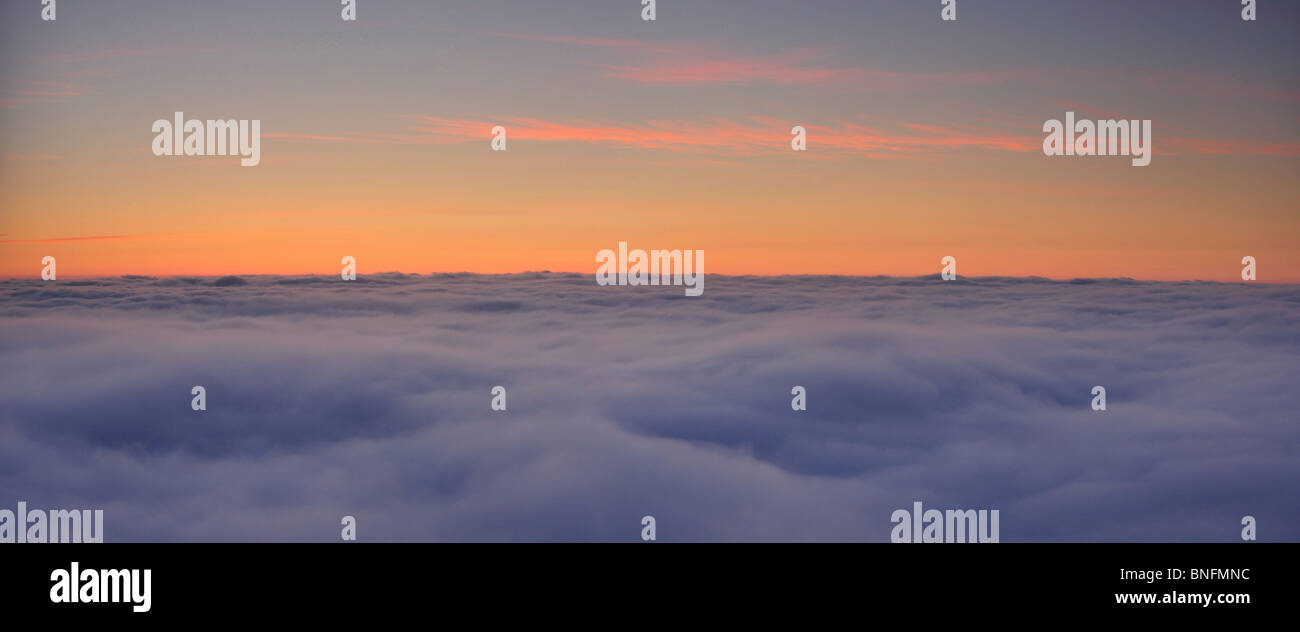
(371,398)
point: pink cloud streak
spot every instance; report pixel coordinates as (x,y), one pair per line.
(748,136)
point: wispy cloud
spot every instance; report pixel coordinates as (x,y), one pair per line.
(34,92)
(757,135)
(1177,145)
(640,46)
(751,135)
(796,68)
(1182,142)
(19,157)
(687,62)
(71,68)
(99,55)
(88,238)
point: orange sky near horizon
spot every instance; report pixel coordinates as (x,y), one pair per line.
(864,217)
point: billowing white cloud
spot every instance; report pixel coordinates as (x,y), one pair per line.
(371,398)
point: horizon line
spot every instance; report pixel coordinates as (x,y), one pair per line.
(934,275)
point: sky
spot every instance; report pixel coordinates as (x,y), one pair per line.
(371,399)
(924,137)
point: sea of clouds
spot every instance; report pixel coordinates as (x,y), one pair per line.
(371,398)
